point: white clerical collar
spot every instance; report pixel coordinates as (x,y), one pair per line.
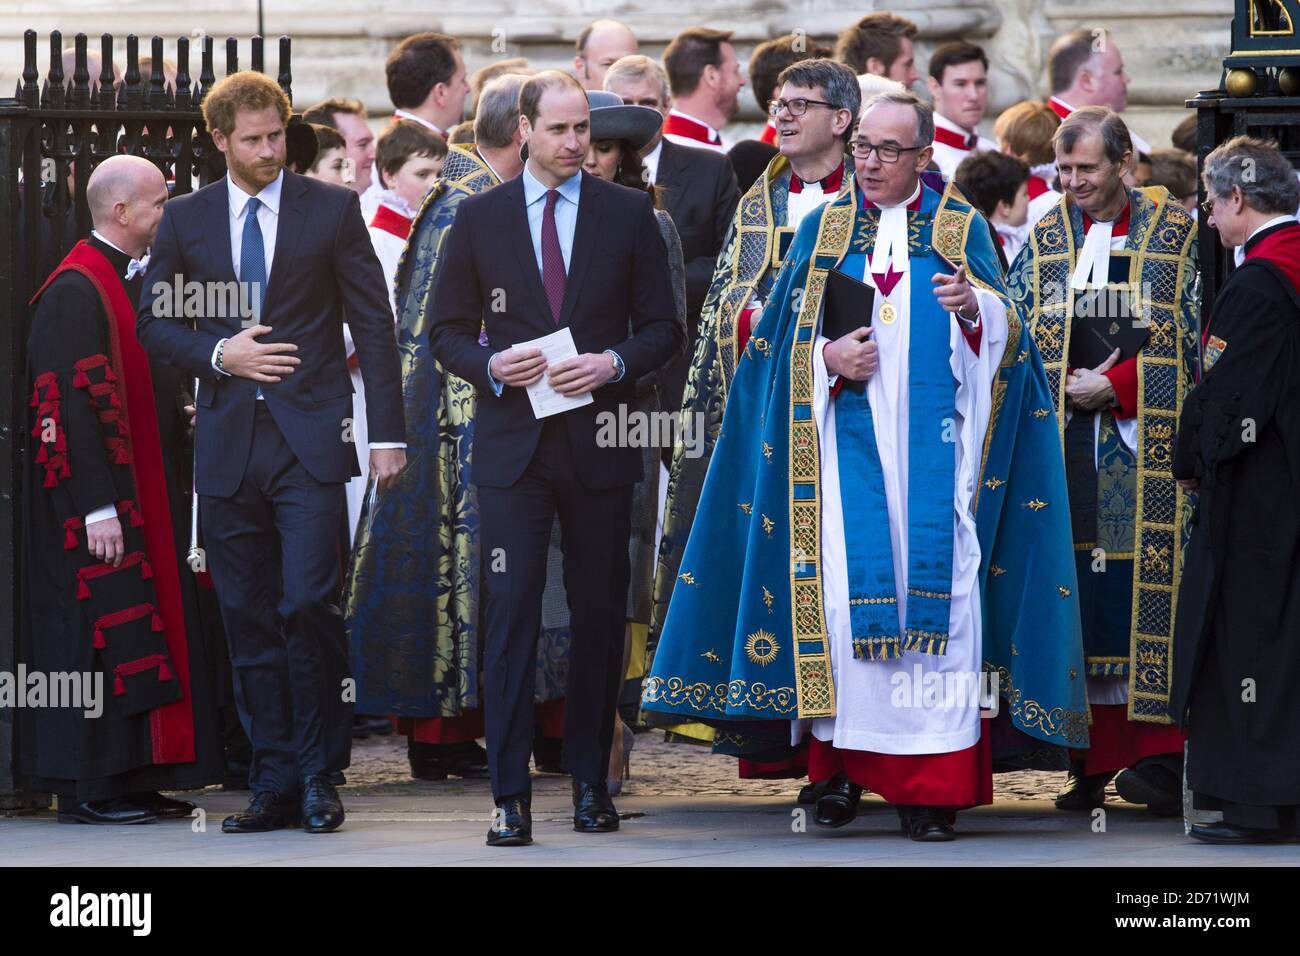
(890,251)
(132,267)
(269,196)
(1275,221)
(403,114)
(1239,254)
(944,123)
(100,236)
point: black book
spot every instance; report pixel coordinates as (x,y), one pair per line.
(1107,319)
(846,306)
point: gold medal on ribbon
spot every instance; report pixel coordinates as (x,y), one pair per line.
(888,314)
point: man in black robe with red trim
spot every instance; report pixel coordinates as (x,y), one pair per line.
(1237,640)
(108,594)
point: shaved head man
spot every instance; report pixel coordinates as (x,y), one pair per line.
(126,196)
(599,45)
(102,471)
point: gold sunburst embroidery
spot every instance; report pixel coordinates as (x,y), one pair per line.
(761,647)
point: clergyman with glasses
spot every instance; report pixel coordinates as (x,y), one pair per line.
(893,505)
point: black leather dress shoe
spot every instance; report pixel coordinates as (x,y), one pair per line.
(322,810)
(1156,782)
(512,823)
(838,804)
(1083,792)
(163,807)
(1229,835)
(810,793)
(266,811)
(116,812)
(593,810)
(439,761)
(927,824)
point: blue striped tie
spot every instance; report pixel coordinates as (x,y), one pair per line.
(252,263)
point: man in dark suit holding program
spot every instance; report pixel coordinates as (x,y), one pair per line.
(273,434)
(553,248)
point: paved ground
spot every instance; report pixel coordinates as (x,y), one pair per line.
(683,807)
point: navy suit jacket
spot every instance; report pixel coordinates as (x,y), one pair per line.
(324,271)
(618,279)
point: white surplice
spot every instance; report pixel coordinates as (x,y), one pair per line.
(866,717)
(389,249)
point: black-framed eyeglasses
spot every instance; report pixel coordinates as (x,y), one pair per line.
(797,106)
(886,152)
(1207,208)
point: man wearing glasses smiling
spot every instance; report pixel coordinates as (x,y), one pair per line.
(865,519)
(1108,245)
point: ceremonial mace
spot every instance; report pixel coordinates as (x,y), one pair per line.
(195,557)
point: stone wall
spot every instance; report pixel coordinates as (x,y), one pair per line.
(1171,49)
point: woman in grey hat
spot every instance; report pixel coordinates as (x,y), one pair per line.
(618,134)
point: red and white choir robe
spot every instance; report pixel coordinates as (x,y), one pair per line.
(686,130)
(928,756)
(953,143)
(389,228)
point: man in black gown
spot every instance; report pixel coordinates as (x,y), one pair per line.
(110,598)
(1237,641)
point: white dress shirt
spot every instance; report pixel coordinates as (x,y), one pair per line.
(268,220)
(651,160)
(566,212)
(566,221)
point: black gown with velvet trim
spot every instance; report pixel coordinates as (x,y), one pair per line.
(60,749)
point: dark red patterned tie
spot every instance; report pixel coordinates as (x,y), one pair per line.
(553,276)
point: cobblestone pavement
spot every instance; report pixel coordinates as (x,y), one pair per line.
(659,769)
